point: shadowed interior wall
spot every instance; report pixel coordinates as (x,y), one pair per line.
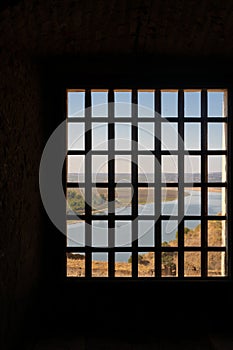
(35,36)
(21,228)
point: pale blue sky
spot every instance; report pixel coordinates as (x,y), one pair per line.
(192,140)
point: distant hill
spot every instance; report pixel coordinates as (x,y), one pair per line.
(166,177)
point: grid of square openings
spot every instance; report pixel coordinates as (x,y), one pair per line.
(147,183)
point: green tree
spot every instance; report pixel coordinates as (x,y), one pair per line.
(75,200)
(168,257)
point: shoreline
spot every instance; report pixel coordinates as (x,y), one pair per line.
(210,189)
(187,193)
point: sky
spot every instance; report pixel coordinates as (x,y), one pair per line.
(146,130)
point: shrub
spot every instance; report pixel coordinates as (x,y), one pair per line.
(140,259)
(186,230)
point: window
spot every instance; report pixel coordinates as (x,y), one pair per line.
(147,184)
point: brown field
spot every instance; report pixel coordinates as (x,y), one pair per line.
(76,267)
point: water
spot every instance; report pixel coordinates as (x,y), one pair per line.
(192,205)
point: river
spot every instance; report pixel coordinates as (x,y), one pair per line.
(192,206)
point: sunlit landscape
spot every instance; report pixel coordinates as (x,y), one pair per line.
(162,182)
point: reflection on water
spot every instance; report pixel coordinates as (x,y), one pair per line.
(146,228)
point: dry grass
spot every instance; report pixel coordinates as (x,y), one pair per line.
(192,260)
(76,267)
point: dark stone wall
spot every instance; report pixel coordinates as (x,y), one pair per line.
(21,226)
(76,27)
(35,37)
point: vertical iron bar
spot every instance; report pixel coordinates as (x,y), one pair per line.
(181,183)
(111,187)
(228,101)
(134,178)
(88,181)
(204,193)
(157,174)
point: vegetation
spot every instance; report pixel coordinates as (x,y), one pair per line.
(168,258)
(76,200)
(140,259)
(146,262)
(186,230)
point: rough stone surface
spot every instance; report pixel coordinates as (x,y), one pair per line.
(21,233)
(181,28)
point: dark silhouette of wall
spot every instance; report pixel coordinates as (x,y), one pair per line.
(43,46)
(21,226)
